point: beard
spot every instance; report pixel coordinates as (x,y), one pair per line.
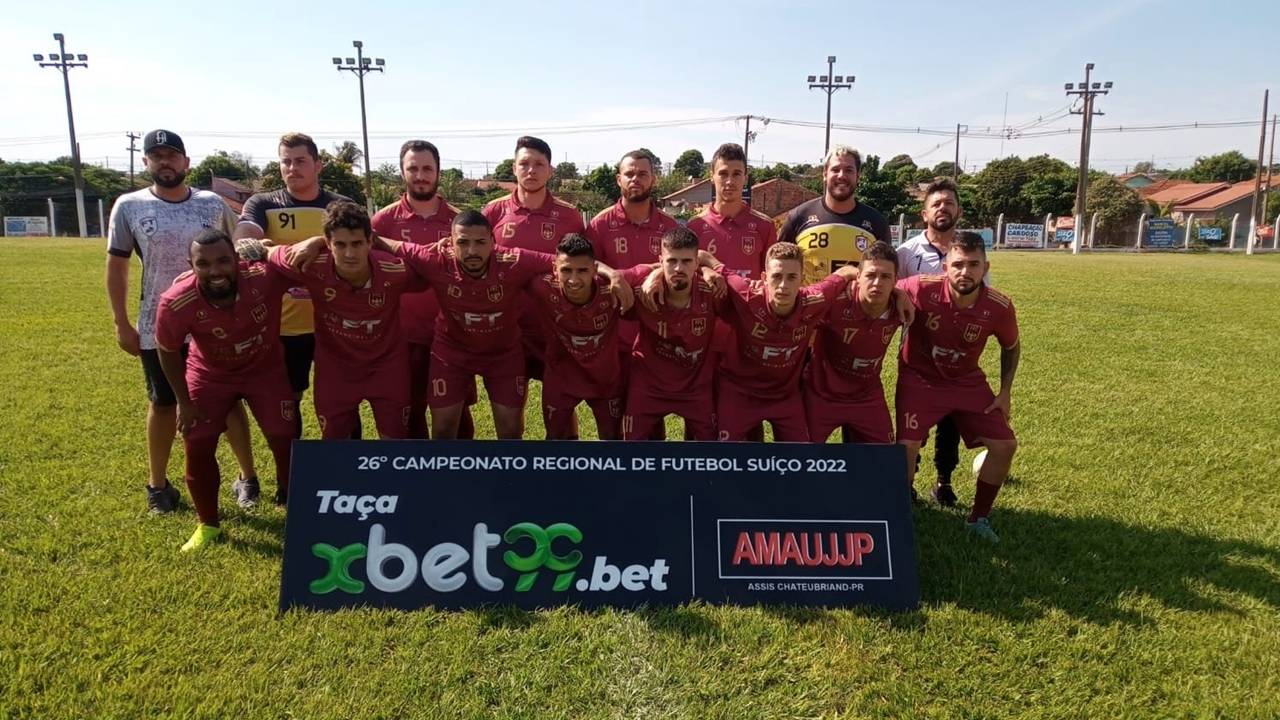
(219,294)
(841,192)
(179,176)
(942,224)
(638,196)
(965,291)
(422,196)
(680,285)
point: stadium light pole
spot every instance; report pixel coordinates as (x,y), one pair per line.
(830,83)
(64,61)
(1087,90)
(361,66)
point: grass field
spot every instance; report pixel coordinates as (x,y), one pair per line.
(1138,573)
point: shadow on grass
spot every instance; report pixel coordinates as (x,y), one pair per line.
(1088,568)
(270,524)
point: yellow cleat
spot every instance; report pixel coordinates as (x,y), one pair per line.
(204,535)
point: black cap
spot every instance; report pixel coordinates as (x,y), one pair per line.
(163,138)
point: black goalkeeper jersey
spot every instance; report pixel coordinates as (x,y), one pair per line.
(829,239)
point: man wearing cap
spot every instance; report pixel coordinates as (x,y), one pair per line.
(157,223)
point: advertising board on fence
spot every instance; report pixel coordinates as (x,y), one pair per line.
(1024,235)
(1209,234)
(1161,233)
(1064,230)
(20,226)
(538,524)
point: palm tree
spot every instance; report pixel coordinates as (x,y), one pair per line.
(347,152)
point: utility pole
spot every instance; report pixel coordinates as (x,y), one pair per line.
(955,168)
(62,60)
(830,83)
(360,66)
(747,137)
(133,148)
(1266,191)
(1255,212)
(1087,90)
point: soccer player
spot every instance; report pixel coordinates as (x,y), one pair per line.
(423,217)
(531,218)
(582,354)
(835,229)
(158,223)
(926,254)
(231,311)
(285,217)
(728,229)
(939,375)
(842,380)
(360,351)
(772,320)
(670,372)
(630,232)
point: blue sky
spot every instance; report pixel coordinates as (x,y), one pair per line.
(234,75)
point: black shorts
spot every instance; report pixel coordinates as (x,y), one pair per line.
(159,391)
(299,351)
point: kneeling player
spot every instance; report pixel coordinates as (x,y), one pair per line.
(939,373)
(842,382)
(360,352)
(582,362)
(231,311)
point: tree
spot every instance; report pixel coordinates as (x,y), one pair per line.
(779,170)
(347,152)
(1146,166)
(26,186)
(505,172)
(945,168)
(1117,205)
(603,181)
(230,165)
(1225,167)
(657,161)
(997,189)
(567,171)
(690,165)
(335,176)
(1050,189)
(881,190)
(899,161)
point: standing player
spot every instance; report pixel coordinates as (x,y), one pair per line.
(772,320)
(670,370)
(285,217)
(582,354)
(835,229)
(926,254)
(939,374)
(842,380)
(532,218)
(231,311)
(630,232)
(728,228)
(360,351)
(158,224)
(423,217)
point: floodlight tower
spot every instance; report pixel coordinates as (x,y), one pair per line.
(64,61)
(361,66)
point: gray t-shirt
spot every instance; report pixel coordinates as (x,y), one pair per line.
(160,232)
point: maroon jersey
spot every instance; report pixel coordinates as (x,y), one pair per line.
(669,358)
(767,352)
(398,221)
(478,316)
(355,327)
(582,353)
(621,243)
(739,241)
(945,342)
(225,342)
(849,351)
(541,229)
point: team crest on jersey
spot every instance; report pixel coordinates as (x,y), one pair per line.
(147,225)
(599,322)
(455,291)
(259,313)
(972,332)
(749,244)
(812,219)
(549,229)
(219,333)
(509,230)
(699,326)
(861,242)
(202,315)
(655,244)
(887,333)
(495,293)
(377,300)
(751,226)
(799,334)
(286,411)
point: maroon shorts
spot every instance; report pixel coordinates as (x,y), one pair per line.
(339,392)
(645,414)
(739,412)
(558,413)
(267,392)
(863,422)
(921,405)
(504,379)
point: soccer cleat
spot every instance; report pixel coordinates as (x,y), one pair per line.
(282,497)
(246,491)
(202,537)
(944,495)
(162,501)
(982,528)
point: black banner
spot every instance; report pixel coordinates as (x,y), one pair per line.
(536,524)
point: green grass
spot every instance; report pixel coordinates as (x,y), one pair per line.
(1139,573)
